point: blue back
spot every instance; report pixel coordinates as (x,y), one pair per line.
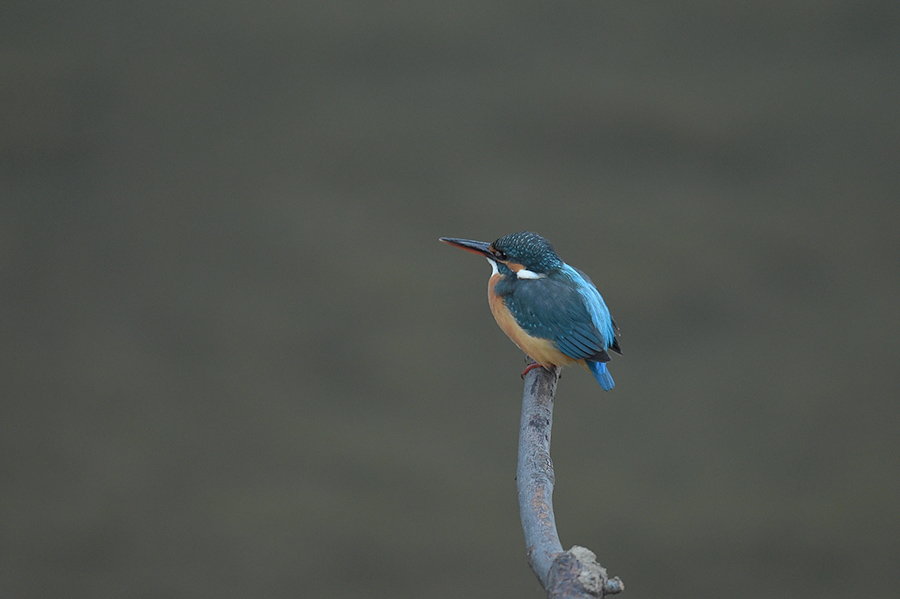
(594,303)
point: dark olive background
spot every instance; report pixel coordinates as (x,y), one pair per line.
(236,362)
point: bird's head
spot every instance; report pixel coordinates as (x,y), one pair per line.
(525,255)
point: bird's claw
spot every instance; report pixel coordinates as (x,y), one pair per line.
(530,367)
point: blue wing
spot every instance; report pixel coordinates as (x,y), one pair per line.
(566,308)
(595,305)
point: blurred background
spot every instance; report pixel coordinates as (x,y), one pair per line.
(236,362)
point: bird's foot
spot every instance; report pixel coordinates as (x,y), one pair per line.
(530,367)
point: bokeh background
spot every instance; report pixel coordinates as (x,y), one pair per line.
(236,362)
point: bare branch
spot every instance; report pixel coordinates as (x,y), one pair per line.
(563,574)
(534,475)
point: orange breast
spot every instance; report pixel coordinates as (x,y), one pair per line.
(540,350)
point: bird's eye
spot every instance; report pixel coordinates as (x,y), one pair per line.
(499,254)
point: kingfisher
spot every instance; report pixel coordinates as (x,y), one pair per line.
(550,310)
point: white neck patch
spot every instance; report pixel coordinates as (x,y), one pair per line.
(524,273)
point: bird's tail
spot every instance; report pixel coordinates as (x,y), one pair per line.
(602,375)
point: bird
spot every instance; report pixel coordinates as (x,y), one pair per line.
(550,310)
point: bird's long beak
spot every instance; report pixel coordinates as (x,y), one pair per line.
(482,248)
